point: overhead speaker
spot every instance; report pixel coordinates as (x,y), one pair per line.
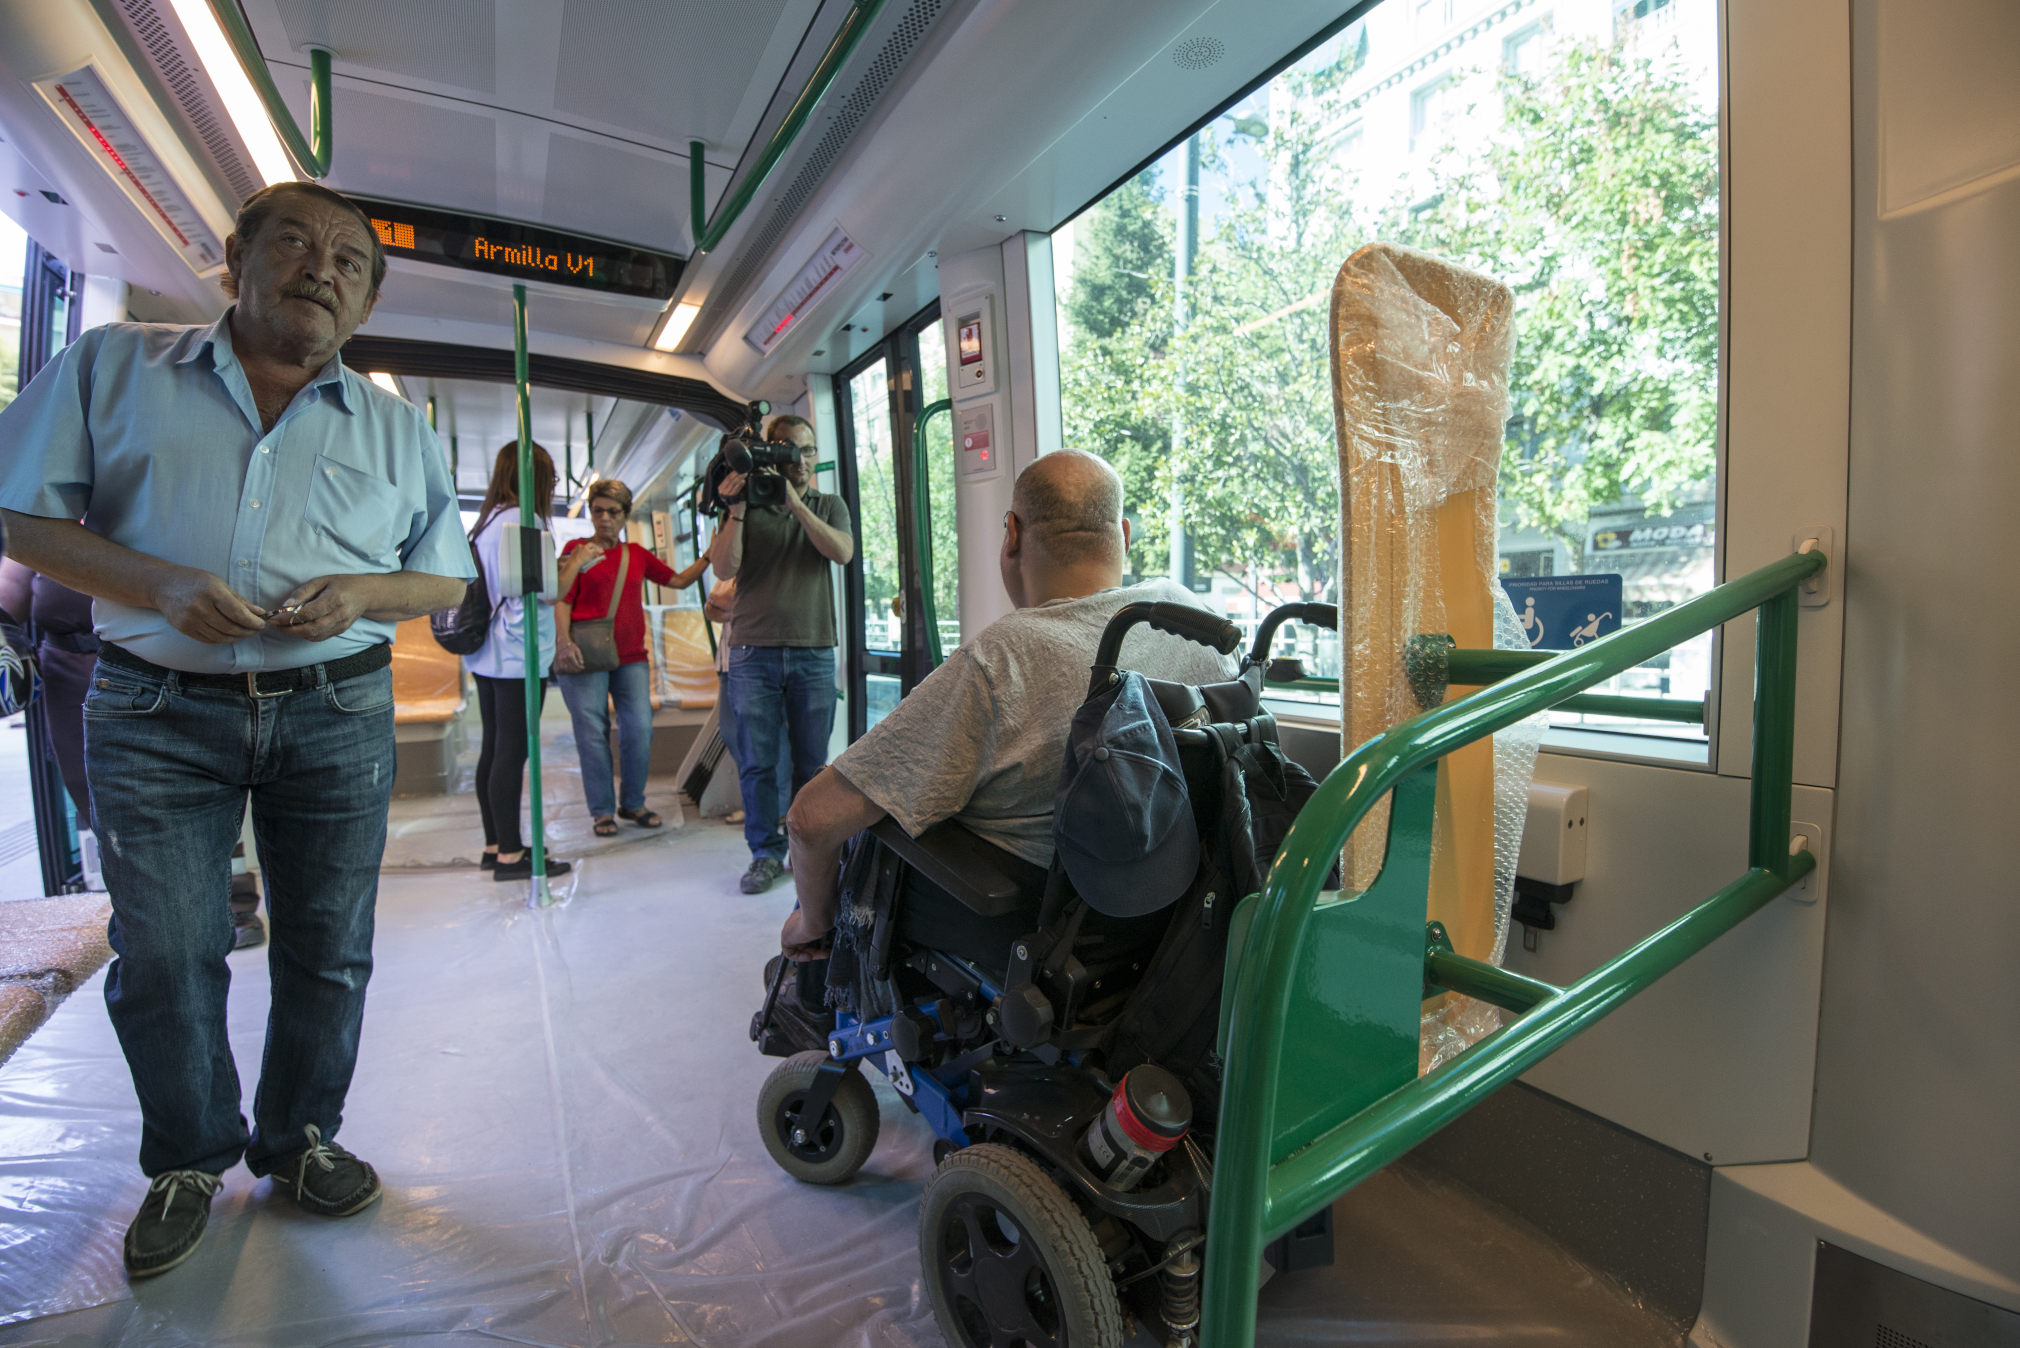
(1197,53)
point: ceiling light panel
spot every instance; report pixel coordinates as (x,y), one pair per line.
(235,91)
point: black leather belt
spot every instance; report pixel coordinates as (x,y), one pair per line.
(261,682)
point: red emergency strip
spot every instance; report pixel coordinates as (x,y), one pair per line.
(106,145)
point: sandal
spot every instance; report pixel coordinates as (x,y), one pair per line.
(642,817)
(606,827)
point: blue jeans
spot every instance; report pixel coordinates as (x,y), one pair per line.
(777,690)
(589,698)
(171,768)
(726,729)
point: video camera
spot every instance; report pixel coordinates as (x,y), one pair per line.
(746,451)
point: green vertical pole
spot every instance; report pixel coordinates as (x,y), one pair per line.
(1774,733)
(538,897)
(455,460)
(589,443)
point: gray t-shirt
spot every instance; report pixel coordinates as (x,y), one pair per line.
(982,740)
(785,592)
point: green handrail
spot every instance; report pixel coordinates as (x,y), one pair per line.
(922,512)
(1681,710)
(1257,1198)
(854,24)
(312,155)
(529,603)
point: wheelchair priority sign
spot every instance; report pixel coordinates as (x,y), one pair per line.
(1562,613)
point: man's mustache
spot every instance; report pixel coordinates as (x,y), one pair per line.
(309,290)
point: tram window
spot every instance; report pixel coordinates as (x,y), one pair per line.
(1575,157)
(877,494)
(940,470)
(13,266)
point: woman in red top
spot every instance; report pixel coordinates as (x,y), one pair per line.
(590,696)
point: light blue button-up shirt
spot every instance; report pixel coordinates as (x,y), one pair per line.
(150,436)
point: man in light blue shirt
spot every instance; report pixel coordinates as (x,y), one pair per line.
(255,519)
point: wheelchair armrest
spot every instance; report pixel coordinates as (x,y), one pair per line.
(982,877)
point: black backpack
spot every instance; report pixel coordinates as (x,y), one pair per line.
(1173,1018)
(463,629)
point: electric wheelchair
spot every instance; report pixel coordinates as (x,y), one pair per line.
(1006,1009)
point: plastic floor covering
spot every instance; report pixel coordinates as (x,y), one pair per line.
(562,1105)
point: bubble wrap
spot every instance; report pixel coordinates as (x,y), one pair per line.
(1420,357)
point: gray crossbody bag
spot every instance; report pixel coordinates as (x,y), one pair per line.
(597,638)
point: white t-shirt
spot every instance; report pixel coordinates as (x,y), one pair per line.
(503,654)
(983,738)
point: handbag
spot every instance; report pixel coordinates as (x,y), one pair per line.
(597,638)
(463,630)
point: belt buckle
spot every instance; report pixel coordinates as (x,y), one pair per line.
(252,685)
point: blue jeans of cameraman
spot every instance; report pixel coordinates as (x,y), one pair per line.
(778,691)
(171,770)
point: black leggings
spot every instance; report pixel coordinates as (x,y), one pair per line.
(501,766)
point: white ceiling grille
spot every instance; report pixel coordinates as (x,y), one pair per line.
(159,41)
(838,130)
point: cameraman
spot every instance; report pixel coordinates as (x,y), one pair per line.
(782,663)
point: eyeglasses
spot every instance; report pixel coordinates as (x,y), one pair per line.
(606,512)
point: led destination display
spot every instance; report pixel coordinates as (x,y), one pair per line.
(521,251)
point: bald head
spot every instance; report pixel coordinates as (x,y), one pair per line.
(1070,503)
(1065,536)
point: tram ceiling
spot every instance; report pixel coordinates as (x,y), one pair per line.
(472,388)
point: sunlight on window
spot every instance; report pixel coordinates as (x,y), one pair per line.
(1569,149)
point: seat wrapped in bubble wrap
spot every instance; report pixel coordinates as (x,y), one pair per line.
(1420,355)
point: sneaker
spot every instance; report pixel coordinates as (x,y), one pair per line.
(328,1180)
(522,869)
(763,870)
(248,931)
(170,1222)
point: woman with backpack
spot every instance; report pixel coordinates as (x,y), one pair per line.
(499,665)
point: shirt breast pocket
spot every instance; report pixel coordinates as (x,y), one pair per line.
(356,510)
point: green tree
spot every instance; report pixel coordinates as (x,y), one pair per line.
(1598,204)
(1596,201)
(1118,309)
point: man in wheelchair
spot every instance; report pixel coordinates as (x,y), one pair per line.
(1032,945)
(983,738)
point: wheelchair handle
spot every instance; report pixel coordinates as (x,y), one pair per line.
(1316,615)
(1181,620)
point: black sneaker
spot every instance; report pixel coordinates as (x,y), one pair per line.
(328,1180)
(170,1223)
(522,869)
(763,870)
(248,932)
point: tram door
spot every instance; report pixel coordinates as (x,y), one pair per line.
(877,401)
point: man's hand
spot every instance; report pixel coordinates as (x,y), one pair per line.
(567,658)
(324,607)
(199,604)
(730,489)
(592,553)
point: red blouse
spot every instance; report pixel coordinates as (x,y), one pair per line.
(589,597)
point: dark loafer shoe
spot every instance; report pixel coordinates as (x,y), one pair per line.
(328,1180)
(170,1223)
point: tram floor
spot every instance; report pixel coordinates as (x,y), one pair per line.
(561,1103)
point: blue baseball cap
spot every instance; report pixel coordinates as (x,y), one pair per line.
(1122,821)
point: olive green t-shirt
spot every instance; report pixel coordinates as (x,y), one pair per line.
(785,589)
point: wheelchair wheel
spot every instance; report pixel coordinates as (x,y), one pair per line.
(826,1150)
(1008,1258)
